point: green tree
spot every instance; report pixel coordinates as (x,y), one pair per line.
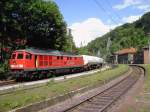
(128,35)
(70,45)
(144,23)
(37,21)
(31,23)
(46,27)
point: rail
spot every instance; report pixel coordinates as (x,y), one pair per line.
(102,101)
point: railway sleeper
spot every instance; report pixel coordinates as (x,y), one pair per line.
(99,102)
(87,110)
(108,98)
(105,98)
(102,99)
(89,105)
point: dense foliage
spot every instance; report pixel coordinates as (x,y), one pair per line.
(31,23)
(38,22)
(128,35)
(70,45)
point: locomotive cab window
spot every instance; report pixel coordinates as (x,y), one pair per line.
(20,56)
(28,56)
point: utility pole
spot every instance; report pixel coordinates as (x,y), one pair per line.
(70,39)
(149,48)
(108,44)
(98,53)
(109,40)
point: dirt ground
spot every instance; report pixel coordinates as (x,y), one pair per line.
(72,101)
(136,100)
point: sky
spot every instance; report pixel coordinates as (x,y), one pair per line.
(90,19)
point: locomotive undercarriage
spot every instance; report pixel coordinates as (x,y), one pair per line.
(27,75)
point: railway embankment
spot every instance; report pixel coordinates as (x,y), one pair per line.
(54,92)
(141,101)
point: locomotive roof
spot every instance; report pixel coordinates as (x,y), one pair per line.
(48,52)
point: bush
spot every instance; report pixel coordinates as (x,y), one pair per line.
(3,70)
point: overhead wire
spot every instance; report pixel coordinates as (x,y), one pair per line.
(110,5)
(103,9)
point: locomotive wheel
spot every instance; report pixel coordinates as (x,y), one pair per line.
(39,76)
(49,75)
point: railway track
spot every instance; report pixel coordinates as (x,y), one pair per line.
(9,84)
(61,77)
(104,100)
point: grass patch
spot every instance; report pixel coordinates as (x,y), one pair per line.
(24,97)
(147,81)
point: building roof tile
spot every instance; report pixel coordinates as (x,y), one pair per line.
(127,51)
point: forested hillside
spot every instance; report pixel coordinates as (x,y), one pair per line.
(134,34)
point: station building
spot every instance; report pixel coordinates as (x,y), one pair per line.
(124,56)
(146,53)
(131,56)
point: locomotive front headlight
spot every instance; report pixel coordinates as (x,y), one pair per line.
(12,66)
(20,65)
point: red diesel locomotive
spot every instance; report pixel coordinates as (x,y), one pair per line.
(35,63)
